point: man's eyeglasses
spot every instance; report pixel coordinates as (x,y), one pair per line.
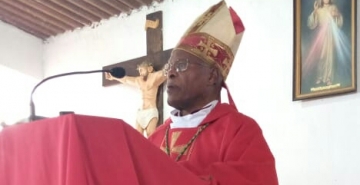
(180,65)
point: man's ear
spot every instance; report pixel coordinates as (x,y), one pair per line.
(214,76)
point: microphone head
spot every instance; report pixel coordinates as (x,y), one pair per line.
(117,72)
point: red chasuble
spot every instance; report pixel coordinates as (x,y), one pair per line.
(231,150)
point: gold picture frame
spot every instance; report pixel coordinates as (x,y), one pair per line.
(324,48)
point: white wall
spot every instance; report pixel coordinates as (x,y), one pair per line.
(21,51)
(314,142)
(21,67)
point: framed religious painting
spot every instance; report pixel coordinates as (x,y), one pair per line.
(324,48)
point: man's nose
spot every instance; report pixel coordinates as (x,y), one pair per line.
(171,73)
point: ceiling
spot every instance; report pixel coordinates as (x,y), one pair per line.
(45,18)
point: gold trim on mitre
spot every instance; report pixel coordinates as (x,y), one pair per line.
(208,49)
(214,37)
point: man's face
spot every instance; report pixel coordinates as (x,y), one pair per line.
(186,88)
(143,71)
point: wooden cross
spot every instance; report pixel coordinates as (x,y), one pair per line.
(155,55)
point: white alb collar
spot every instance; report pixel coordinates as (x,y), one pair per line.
(191,120)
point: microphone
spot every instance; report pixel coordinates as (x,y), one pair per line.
(117,72)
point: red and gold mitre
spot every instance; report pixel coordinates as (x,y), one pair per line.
(214,37)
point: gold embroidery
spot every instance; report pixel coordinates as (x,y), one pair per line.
(162,147)
(227,64)
(176,136)
(176,149)
(207,48)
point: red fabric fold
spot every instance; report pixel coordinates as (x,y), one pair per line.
(238,25)
(74,150)
(231,101)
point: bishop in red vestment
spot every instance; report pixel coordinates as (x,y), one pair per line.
(210,138)
(230,149)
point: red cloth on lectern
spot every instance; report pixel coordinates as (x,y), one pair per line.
(79,150)
(230,151)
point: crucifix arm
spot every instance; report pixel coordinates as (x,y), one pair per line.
(130,80)
(160,77)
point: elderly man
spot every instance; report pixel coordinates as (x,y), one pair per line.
(210,138)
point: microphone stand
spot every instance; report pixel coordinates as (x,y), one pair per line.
(33,116)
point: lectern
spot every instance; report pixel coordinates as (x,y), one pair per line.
(84,150)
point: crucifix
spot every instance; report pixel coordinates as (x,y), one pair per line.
(155,55)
